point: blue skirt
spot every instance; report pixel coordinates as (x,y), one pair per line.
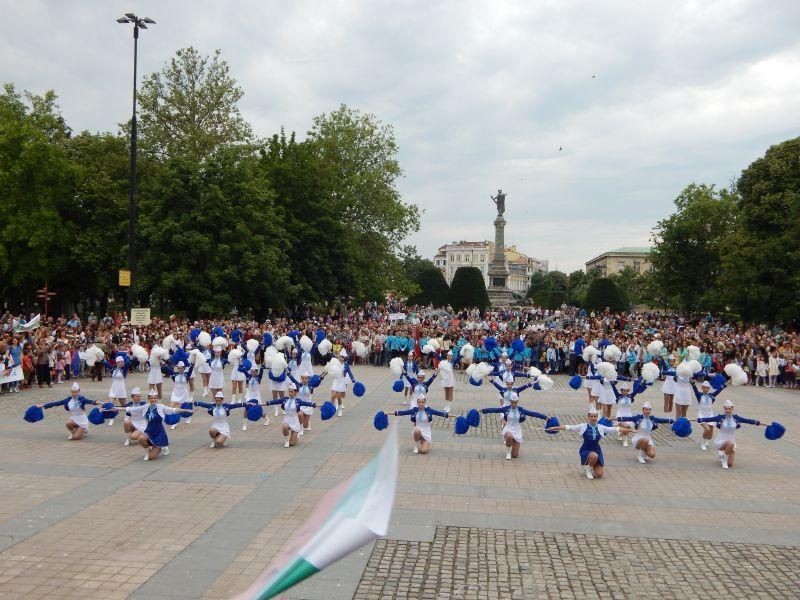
(589,447)
(156,434)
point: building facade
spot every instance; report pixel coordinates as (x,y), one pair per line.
(615,261)
(479,254)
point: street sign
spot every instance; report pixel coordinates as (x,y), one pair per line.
(140,316)
(124,278)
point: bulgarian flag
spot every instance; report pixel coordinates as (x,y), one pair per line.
(354,513)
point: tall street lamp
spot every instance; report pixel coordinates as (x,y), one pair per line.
(138,23)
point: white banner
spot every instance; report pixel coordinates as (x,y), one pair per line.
(397,316)
(29,326)
(11,375)
(140,316)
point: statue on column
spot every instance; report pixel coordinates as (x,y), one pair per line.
(500,202)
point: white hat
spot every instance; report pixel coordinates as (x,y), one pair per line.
(647,405)
(504,353)
(592,411)
(152,392)
(292,386)
(421,374)
(706,384)
(181,364)
(343,353)
(449,353)
(625,385)
(76,387)
(728,403)
(294,351)
(513,397)
(254,367)
(135,391)
(219,394)
(411,353)
(120,359)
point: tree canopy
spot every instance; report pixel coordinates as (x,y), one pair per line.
(468,290)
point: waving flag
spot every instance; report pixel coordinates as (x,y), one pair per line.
(29,326)
(354,513)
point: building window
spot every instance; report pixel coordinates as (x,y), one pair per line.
(483,258)
(620,267)
(637,266)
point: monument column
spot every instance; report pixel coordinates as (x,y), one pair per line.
(499,293)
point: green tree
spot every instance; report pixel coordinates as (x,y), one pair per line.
(36,193)
(467,290)
(761,256)
(604,293)
(686,254)
(433,287)
(190,108)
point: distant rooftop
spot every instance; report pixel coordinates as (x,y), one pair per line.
(630,250)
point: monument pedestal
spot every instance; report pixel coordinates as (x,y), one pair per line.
(499,294)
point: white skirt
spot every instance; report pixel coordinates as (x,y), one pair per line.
(448,380)
(279,386)
(669,386)
(514,430)
(722,438)
(425,430)
(237,375)
(705,414)
(180,394)
(339,384)
(624,410)
(217,380)
(595,388)
(292,421)
(118,389)
(222,427)
(307,410)
(139,424)
(642,436)
(683,395)
(204,368)
(155,376)
(607,396)
(81,421)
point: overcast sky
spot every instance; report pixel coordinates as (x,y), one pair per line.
(643,97)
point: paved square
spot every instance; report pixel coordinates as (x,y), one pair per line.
(91,519)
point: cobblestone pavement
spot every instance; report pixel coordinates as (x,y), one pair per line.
(91,519)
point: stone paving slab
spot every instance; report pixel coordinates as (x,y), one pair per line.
(489,563)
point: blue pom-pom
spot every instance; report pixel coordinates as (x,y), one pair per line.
(33,414)
(606,422)
(774,431)
(314,381)
(218,331)
(194,334)
(245,365)
(717,381)
(475,383)
(180,355)
(473,418)
(639,386)
(462,426)
(266,340)
(490,343)
(359,389)
(109,412)
(551,422)
(576,382)
(185,405)
(518,346)
(327,411)
(172,419)
(397,386)
(320,335)
(254,412)
(537,387)
(96,416)
(682,427)
(381,420)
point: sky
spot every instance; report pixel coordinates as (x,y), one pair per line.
(591,115)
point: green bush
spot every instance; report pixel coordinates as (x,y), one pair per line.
(468,289)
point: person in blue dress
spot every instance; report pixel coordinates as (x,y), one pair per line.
(592,433)
(421,417)
(154,439)
(220,430)
(727,423)
(513,416)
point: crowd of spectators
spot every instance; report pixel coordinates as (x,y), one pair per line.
(53,352)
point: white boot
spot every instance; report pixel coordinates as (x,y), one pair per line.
(165,450)
(266,421)
(147,457)
(171,427)
(301,432)
(277,409)
(286,444)
(508,454)
(589,472)
(340,410)
(416,448)
(244,426)
(213,444)
(69,437)
(642,458)
(704,445)
(127,442)
(110,422)
(720,455)
(725,462)
(625,441)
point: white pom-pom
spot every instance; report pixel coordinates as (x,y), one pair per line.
(252,345)
(196,357)
(139,352)
(396,366)
(650,372)
(693,352)
(235,355)
(696,366)
(93,354)
(325,347)
(284,342)
(482,370)
(736,373)
(306,344)
(427,349)
(220,342)
(359,349)
(612,353)
(545,383)
(335,368)
(445,366)
(685,369)
(434,343)
(607,370)
(269,355)
(654,348)
(589,353)
(169,342)
(467,350)
(534,372)
(155,355)
(204,339)
(278,365)
(471,369)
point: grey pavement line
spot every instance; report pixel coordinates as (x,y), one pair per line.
(203,561)
(52,470)
(629,528)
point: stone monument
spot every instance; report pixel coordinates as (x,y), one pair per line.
(499,294)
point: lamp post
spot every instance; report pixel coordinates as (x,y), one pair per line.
(138,23)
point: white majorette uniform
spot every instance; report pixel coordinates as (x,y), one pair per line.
(607,393)
(410,370)
(136,413)
(118,373)
(252,391)
(669,386)
(421,419)
(217,379)
(727,424)
(644,429)
(595,385)
(446,377)
(75,407)
(219,415)
(340,383)
(705,400)
(180,391)
(683,392)
(236,374)
(204,367)
(290,405)
(154,377)
(279,383)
